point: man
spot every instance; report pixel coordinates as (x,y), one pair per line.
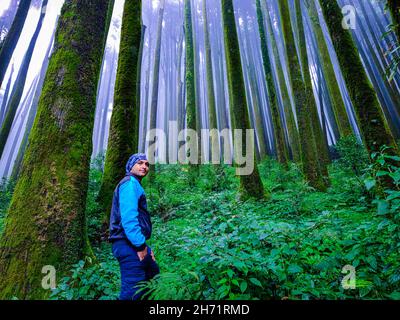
(130,227)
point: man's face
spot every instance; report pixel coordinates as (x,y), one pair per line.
(141,168)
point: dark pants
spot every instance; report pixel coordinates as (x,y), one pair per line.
(132,269)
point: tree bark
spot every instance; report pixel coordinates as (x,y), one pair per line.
(250,185)
(9,44)
(373,126)
(124,126)
(45,224)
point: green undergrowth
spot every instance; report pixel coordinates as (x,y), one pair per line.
(298,244)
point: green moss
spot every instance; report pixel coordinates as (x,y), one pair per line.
(212,111)
(321,144)
(250,185)
(281,149)
(45,222)
(124,126)
(338,106)
(373,126)
(304,102)
(191,108)
(290,119)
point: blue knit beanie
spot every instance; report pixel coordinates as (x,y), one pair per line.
(133,160)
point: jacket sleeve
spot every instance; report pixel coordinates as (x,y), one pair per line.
(128,202)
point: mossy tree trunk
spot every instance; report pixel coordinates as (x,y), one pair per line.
(250,185)
(191,108)
(373,126)
(287,105)
(321,142)
(281,149)
(124,126)
(9,44)
(338,106)
(212,111)
(45,224)
(302,100)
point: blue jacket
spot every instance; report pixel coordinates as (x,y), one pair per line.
(129,218)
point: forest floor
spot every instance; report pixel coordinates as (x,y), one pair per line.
(298,244)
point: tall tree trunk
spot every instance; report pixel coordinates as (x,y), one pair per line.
(250,185)
(319,137)
(124,126)
(293,132)
(20,83)
(191,109)
(254,101)
(373,126)
(9,44)
(5,97)
(147,95)
(338,105)
(156,78)
(45,224)
(21,115)
(32,113)
(302,100)
(281,150)
(212,111)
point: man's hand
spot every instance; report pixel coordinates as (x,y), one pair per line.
(142,254)
(152,256)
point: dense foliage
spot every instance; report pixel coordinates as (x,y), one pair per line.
(211,245)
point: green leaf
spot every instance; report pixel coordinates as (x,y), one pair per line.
(395,158)
(394,295)
(365,291)
(243,286)
(381,173)
(372,262)
(256,282)
(369,183)
(294,268)
(383,207)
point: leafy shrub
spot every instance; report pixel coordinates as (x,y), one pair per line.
(353,155)
(89,280)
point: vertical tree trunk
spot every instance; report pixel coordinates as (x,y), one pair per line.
(12,37)
(20,83)
(124,127)
(338,106)
(251,185)
(212,111)
(45,222)
(191,109)
(5,97)
(302,99)
(287,105)
(156,77)
(373,126)
(281,150)
(32,113)
(321,143)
